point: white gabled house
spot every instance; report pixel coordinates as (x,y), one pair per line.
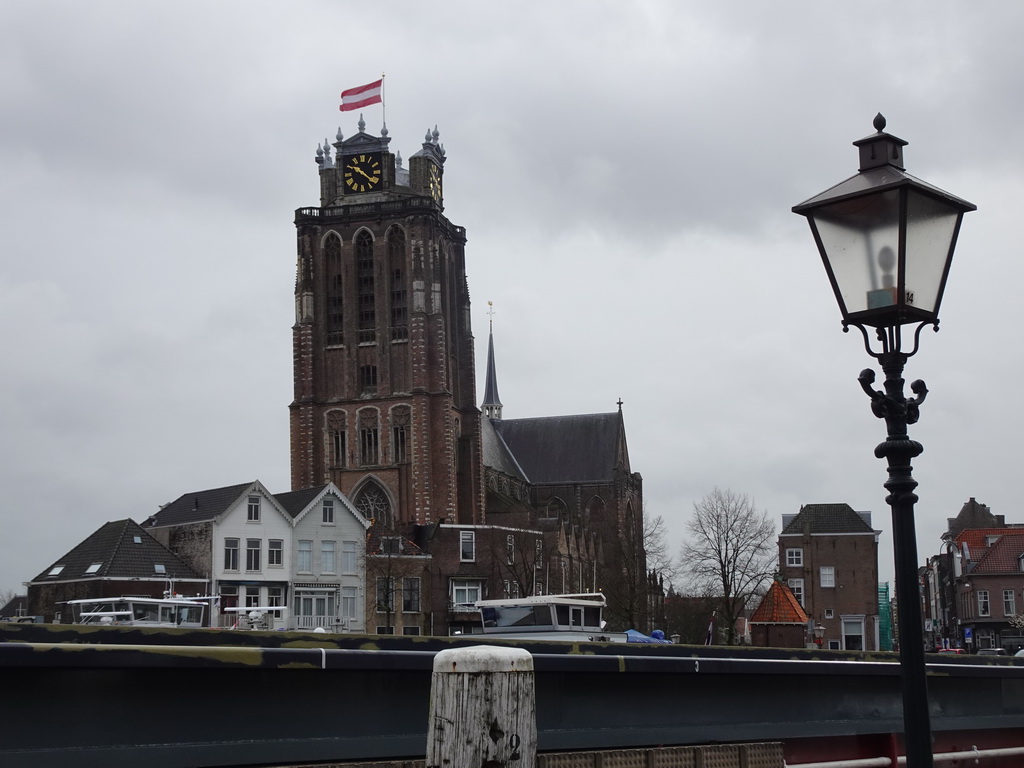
(296,558)
(328,560)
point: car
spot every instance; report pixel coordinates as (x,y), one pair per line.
(992,652)
(1020,653)
(951,650)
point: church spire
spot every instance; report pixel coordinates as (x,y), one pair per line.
(492,404)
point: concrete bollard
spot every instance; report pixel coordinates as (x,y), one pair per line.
(483,711)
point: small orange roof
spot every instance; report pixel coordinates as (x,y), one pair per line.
(779,606)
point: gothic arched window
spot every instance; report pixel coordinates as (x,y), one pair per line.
(556,508)
(337,443)
(335,296)
(400,434)
(365,287)
(372,502)
(369,437)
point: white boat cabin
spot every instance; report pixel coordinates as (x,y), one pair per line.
(548,617)
(172,611)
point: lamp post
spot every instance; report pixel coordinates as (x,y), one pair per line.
(887,239)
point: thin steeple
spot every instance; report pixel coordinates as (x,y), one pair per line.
(492,404)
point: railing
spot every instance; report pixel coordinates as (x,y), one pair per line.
(332,623)
(373,210)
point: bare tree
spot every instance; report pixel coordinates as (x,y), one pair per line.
(656,545)
(730,554)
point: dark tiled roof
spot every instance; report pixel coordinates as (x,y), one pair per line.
(16,604)
(198,506)
(562,449)
(124,550)
(779,606)
(827,518)
(296,501)
(1003,556)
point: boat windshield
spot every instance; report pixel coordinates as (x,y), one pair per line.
(516,616)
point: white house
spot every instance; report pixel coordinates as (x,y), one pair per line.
(328,560)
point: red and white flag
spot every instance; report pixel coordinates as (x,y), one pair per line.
(363,96)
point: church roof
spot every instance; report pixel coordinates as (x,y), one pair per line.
(123,550)
(561,449)
(825,519)
(779,606)
(491,398)
(497,454)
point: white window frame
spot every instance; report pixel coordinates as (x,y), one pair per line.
(827,577)
(304,562)
(984,605)
(348,556)
(797,587)
(253,510)
(856,622)
(328,512)
(467,546)
(416,586)
(328,556)
(510,549)
(253,555)
(275,553)
(349,595)
(1009,602)
(794,557)
(231,557)
(470,590)
(830,613)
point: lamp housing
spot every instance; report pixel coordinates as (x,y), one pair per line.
(886,238)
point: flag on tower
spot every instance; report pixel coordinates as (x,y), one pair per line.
(363,96)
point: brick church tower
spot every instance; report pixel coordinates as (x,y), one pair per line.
(384,371)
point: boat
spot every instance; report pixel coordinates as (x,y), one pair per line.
(574,617)
(171,610)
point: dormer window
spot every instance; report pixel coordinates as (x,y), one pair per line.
(94,568)
(990,540)
(1020,563)
(55,571)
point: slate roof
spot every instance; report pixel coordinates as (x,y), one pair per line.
(779,606)
(1003,556)
(565,449)
(18,606)
(827,518)
(296,501)
(124,550)
(198,506)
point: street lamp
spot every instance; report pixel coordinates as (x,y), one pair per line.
(887,239)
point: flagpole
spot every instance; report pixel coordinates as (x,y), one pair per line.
(383,111)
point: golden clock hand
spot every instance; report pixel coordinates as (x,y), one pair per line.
(359,170)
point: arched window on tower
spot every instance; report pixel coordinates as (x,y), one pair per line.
(400,434)
(365,286)
(399,294)
(369,437)
(594,512)
(373,504)
(337,443)
(335,296)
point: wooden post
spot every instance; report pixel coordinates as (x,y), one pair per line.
(483,711)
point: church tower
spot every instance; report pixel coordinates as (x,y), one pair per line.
(384,373)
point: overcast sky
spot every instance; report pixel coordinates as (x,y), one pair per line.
(625,172)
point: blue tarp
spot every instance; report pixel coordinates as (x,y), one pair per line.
(632,636)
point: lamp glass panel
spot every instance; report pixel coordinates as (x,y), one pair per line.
(860,238)
(931,224)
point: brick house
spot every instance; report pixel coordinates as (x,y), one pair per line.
(119,558)
(828,556)
(989,579)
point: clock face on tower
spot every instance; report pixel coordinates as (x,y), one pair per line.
(362,173)
(435,183)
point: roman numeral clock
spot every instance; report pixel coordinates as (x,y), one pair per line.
(363,172)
